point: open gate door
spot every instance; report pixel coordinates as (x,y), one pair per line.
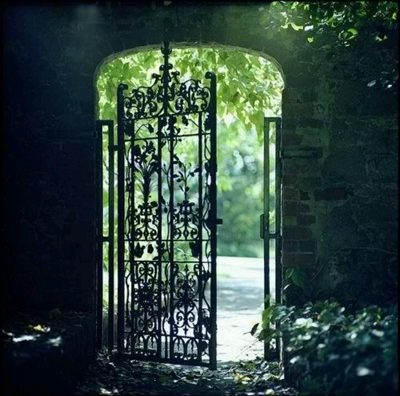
(270,220)
(167,219)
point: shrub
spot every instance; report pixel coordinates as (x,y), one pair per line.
(334,352)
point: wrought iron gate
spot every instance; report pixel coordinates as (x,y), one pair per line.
(167,222)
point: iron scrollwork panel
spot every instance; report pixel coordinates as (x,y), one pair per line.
(169,220)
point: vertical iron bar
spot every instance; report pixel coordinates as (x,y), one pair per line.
(171,259)
(278,222)
(121,217)
(111,236)
(213,214)
(265,225)
(99,230)
(200,283)
(165,81)
(159,236)
(132,233)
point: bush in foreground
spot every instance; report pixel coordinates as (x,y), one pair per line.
(331,351)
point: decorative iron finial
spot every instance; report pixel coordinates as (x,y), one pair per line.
(166,67)
(166,49)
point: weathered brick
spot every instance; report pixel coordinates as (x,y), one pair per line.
(290,220)
(290,246)
(310,182)
(296,233)
(289,123)
(290,193)
(308,246)
(302,166)
(304,196)
(289,180)
(305,220)
(299,109)
(289,95)
(305,259)
(289,259)
(331,194)
(291,139)
(301,81)
(298,259)
(290,208)
(307,96)
(296,167)
(304,208)
(310,122)
(291,168)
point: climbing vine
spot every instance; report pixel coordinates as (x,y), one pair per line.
(334,27)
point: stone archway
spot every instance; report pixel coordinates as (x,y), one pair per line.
(184,46)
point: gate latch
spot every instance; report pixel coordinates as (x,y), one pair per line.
(220,221)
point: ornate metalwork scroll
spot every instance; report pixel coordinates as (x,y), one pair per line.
(167,219)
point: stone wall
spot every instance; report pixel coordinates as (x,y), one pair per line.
(342,203)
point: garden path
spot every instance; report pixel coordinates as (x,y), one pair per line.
(239,305)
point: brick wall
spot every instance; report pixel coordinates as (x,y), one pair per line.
(345,198)
(341,204)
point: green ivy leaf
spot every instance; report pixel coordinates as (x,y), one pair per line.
(299,278)
(296,27)
(289,273)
